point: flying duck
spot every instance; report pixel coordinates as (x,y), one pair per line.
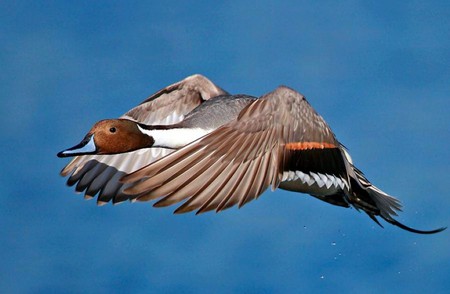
(194,142)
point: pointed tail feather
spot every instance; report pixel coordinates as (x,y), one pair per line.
(409,229)
(388,206)
(367,197)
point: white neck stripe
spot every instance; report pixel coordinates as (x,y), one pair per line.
(174,138)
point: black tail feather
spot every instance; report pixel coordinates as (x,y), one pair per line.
(375,202)
(404,227)
(375,219)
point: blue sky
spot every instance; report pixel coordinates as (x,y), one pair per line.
(378,72)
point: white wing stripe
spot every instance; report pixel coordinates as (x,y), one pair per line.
(316,178)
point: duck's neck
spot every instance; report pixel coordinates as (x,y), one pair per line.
(174,136)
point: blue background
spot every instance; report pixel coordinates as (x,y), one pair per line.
(378,72)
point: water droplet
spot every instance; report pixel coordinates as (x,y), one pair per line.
(333,243)
(304,227)
(322,277)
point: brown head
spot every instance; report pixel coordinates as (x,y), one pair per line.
(110,136)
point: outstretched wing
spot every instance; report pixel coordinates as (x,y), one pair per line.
(238,161)
(100,174)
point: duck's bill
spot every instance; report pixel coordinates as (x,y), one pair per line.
(87,146)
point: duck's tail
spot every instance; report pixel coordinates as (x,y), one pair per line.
(374,202)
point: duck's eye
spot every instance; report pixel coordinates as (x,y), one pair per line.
(112,130)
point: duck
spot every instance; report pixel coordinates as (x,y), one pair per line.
(194,143)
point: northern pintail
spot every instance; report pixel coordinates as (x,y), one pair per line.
(194,142)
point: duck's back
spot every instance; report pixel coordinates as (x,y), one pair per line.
(218,111)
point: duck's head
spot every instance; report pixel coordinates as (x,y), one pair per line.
(110,136)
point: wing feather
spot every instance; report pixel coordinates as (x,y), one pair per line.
(207,192)
(194,188)
(232,165)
